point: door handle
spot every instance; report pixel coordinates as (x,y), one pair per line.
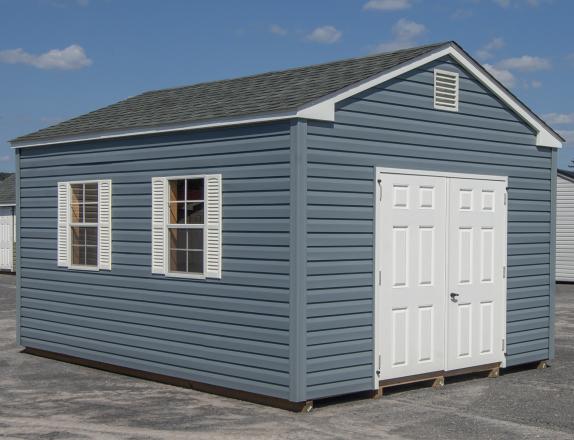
(453,296)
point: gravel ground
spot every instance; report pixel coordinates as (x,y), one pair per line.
(46,399)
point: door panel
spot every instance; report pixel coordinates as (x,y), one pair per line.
(412,232)
(441,251)
(477,248)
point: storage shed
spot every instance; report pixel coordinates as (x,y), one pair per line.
(565,226)
(297,234)
(7,223)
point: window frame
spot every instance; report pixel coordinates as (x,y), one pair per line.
(70,225)
(168,226)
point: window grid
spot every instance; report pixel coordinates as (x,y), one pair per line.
(84,233)
(187,257)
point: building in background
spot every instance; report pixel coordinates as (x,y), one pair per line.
(565,226)
(7,221)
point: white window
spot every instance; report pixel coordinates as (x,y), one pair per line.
(446,90)
(84,225)
(186,226)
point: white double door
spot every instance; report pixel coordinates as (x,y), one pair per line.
(441,287)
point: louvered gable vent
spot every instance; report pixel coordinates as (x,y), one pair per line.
(445,90)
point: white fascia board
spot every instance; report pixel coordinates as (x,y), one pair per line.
(160,129)
(323,109)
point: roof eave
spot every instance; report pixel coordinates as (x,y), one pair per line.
(324,108)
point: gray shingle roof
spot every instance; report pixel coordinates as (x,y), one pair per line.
(7,189)
(258,94)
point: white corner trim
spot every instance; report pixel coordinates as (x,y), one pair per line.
(323,109)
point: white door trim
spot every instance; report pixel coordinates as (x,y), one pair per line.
(377,251)
(380,170)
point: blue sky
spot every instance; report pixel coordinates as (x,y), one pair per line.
(61,58)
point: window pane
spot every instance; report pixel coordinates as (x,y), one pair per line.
(177,238)
(91,236)
(195,213)
(78,236)
(194,189)
(77,192)
(91,213)
(84,246)
(195,238)
(77,213)
(195,261)
(91,192)
(176,190)
(177,261)
(78,255)
(91,255)
(177,213)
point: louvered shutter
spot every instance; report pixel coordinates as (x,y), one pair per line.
(105,224)
(63,230)
(213,255)
(158,235)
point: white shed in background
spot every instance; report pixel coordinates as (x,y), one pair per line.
(565,226)
(7,221)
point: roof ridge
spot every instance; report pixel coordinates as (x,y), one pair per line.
(308,66)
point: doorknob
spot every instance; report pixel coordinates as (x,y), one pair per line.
(453,296)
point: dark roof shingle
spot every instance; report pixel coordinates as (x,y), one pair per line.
(566,173)
(264,93)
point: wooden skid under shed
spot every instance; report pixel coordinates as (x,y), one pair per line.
(437,378)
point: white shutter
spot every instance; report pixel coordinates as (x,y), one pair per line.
(158,235)
(105,224)
(213,226)
(63,230)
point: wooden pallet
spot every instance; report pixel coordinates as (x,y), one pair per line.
(435,379)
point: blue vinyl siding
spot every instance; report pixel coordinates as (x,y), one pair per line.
(395,125)
(232,332)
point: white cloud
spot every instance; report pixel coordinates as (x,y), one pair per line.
(461,14)
(68,3)
(525,63)
(504,76)
(559,118)
(535,84)
(487,50)
(518,3)
(407,30)
(405,33)
(325,35)
(5,158)
(277,30)
(387,5)
(72,57)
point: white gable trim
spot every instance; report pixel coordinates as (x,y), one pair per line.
(323,109)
